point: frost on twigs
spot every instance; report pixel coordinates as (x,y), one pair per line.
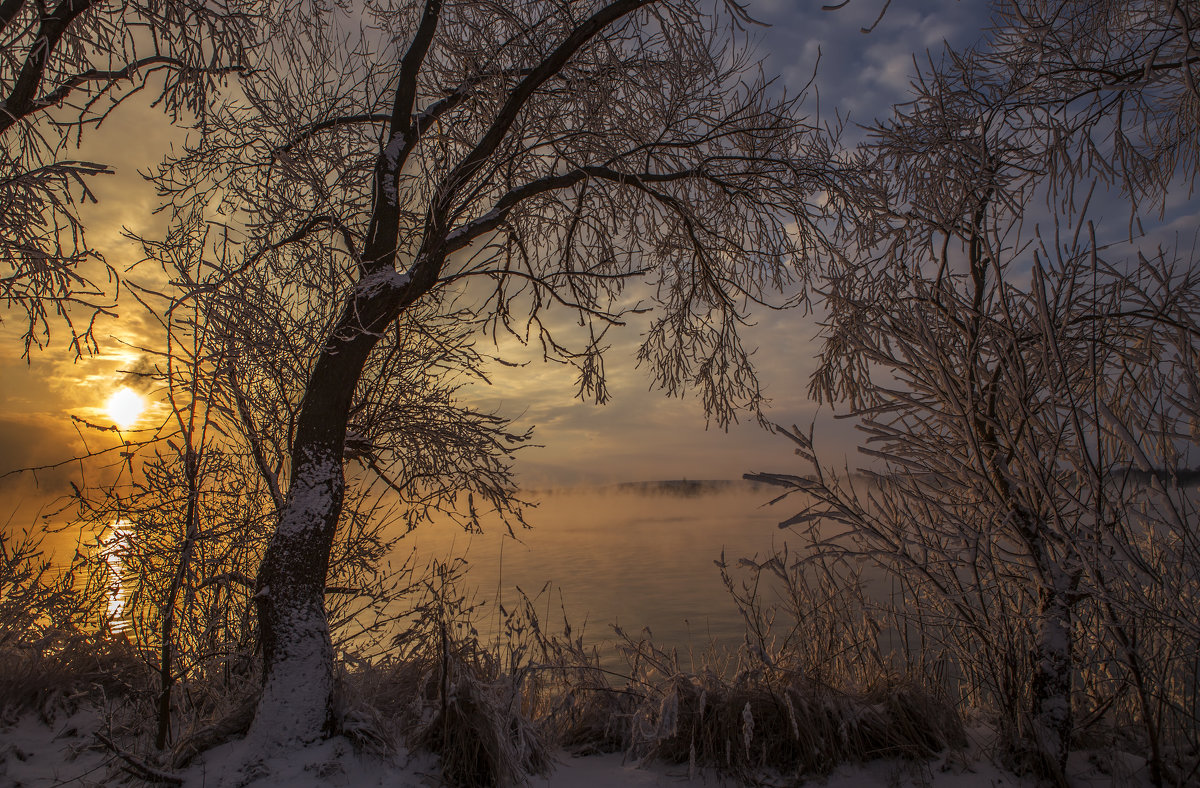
(769,720)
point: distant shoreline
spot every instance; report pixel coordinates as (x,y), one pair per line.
(682,488)
(693,488)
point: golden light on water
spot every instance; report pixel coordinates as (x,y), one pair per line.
(114,545)
(125,407)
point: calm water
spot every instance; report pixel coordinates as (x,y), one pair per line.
(639,556)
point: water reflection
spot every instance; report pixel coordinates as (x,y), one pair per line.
(115,547)
(641,556)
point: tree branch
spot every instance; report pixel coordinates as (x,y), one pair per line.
(63,91)
(520,95)
(384,228)
(251,432)
(20,101)
(493,219)
(8,11)
(325,125)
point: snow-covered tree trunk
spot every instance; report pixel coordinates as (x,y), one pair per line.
(1052,667)
(296,703)
(1050,713)
(297,652)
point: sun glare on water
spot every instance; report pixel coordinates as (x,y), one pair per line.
(115,547)
(124,407)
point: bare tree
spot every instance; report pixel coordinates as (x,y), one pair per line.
(996,371)
(1118,80)
(64,67)
(395,171)
(189,507)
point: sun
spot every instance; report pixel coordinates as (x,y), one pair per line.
(124,407)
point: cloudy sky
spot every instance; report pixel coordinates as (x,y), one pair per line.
(639,435)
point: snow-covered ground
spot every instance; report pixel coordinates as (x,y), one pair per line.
(68,753)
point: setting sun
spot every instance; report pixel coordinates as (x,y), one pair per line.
(124,407)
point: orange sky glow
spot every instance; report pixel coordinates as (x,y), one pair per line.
(53,405)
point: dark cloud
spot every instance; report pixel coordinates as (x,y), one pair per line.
(141,375)
(861,74)
(35,454)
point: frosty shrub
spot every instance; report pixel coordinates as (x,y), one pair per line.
(760,713)
(54,654)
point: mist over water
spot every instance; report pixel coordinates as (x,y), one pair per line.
(637,555)
(640,555)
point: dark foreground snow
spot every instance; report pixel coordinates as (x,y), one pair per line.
(68,753)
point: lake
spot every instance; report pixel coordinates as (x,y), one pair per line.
(641,555)
(638,555)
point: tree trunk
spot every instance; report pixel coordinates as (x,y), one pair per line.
(1050,715)
(297,653)
(296,704)
(166,673)
(1051,686)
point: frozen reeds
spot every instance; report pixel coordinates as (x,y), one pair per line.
(54,652)
(791,727)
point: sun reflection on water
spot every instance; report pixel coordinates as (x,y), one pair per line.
(116,547)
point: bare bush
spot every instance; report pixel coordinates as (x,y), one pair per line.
(1024,501)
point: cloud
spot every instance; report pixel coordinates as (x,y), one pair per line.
(860,74)
(641,434)
(33,442)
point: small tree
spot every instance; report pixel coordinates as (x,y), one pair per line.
(396,170)
(189,508)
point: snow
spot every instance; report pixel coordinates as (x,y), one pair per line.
(34,754)
(293,691)
(391,154)
(312,493)
(40,755)
(385,279)
(332,762)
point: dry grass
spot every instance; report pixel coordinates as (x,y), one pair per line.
(51,681)
(441,691)
(481,736)
(454,707)
(214,710)
(54,653)
(812,688)
(795,728)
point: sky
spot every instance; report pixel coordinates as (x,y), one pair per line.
(639,434)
